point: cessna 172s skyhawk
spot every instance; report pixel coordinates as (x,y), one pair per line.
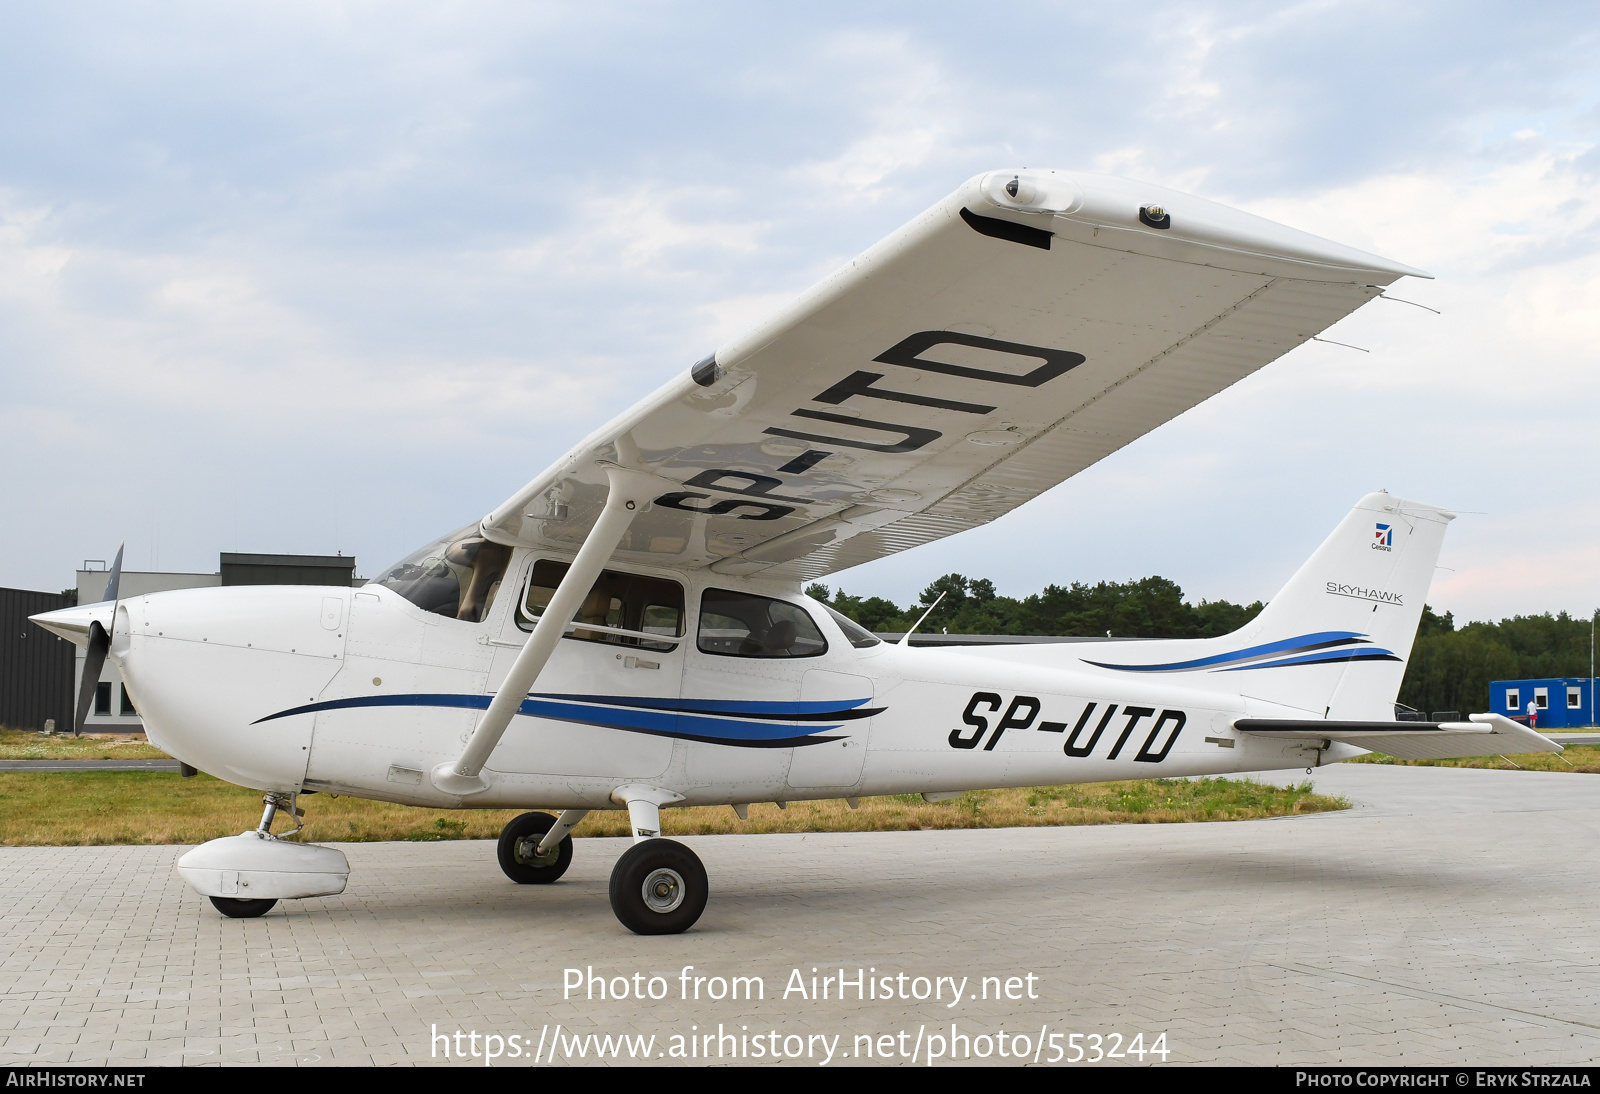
(628,630)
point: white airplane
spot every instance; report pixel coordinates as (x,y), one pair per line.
(628,631)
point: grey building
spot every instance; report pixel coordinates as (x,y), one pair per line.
(35,665)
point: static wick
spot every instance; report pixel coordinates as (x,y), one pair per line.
(1346,345)
(1413,303)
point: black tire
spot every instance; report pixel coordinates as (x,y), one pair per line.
(236,908)
(677,882)
(516,853)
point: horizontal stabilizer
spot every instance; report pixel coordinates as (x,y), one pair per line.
(1484,735)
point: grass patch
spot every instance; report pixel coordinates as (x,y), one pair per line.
(25,744)
(1577,759)
(137,807)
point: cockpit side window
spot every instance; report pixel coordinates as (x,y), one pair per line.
(619,601)
(743,625)
(457,576)
(857,635)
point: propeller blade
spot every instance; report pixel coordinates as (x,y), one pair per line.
(94,658)
(116,577)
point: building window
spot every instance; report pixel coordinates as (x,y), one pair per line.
(127,708)
(1574,698)
(1541,696)
(102,698)
(1513,699)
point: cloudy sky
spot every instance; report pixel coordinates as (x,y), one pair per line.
(317,277)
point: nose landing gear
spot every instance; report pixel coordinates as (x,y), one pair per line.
(246,908)
(246,875)
(235,908)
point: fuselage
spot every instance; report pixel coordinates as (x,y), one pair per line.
(363,692)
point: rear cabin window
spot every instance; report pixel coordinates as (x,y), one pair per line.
(617,601)
(742,625)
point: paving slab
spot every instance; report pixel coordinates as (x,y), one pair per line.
(1446,918)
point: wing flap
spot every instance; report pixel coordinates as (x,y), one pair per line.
(1484,735)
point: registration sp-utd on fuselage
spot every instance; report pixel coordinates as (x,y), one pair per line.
(628,631)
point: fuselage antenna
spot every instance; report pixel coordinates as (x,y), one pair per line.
(905,639)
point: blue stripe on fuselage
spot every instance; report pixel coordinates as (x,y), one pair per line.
(1324,657)
(1301,644)
(760,728)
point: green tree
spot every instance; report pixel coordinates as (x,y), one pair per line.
(1215,618)
(950,593)
(1435,624)
(1450,668)
(1152,607)
(874,612)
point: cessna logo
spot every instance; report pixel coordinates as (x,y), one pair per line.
(1358,592)
(1383,540)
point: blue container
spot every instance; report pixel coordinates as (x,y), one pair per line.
(1563,703)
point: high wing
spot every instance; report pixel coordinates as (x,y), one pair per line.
(1020,330)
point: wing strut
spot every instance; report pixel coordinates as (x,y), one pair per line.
(629,492)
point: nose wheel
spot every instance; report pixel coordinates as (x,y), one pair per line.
(236,908)
(658,887)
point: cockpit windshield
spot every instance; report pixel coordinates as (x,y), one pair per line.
(457,576)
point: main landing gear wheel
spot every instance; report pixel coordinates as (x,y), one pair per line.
(519,851)
(235,908)
(658,887)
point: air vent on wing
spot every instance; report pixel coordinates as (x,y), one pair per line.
(1005,229)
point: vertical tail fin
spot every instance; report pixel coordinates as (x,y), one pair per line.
(1337,637)
(1334,641)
